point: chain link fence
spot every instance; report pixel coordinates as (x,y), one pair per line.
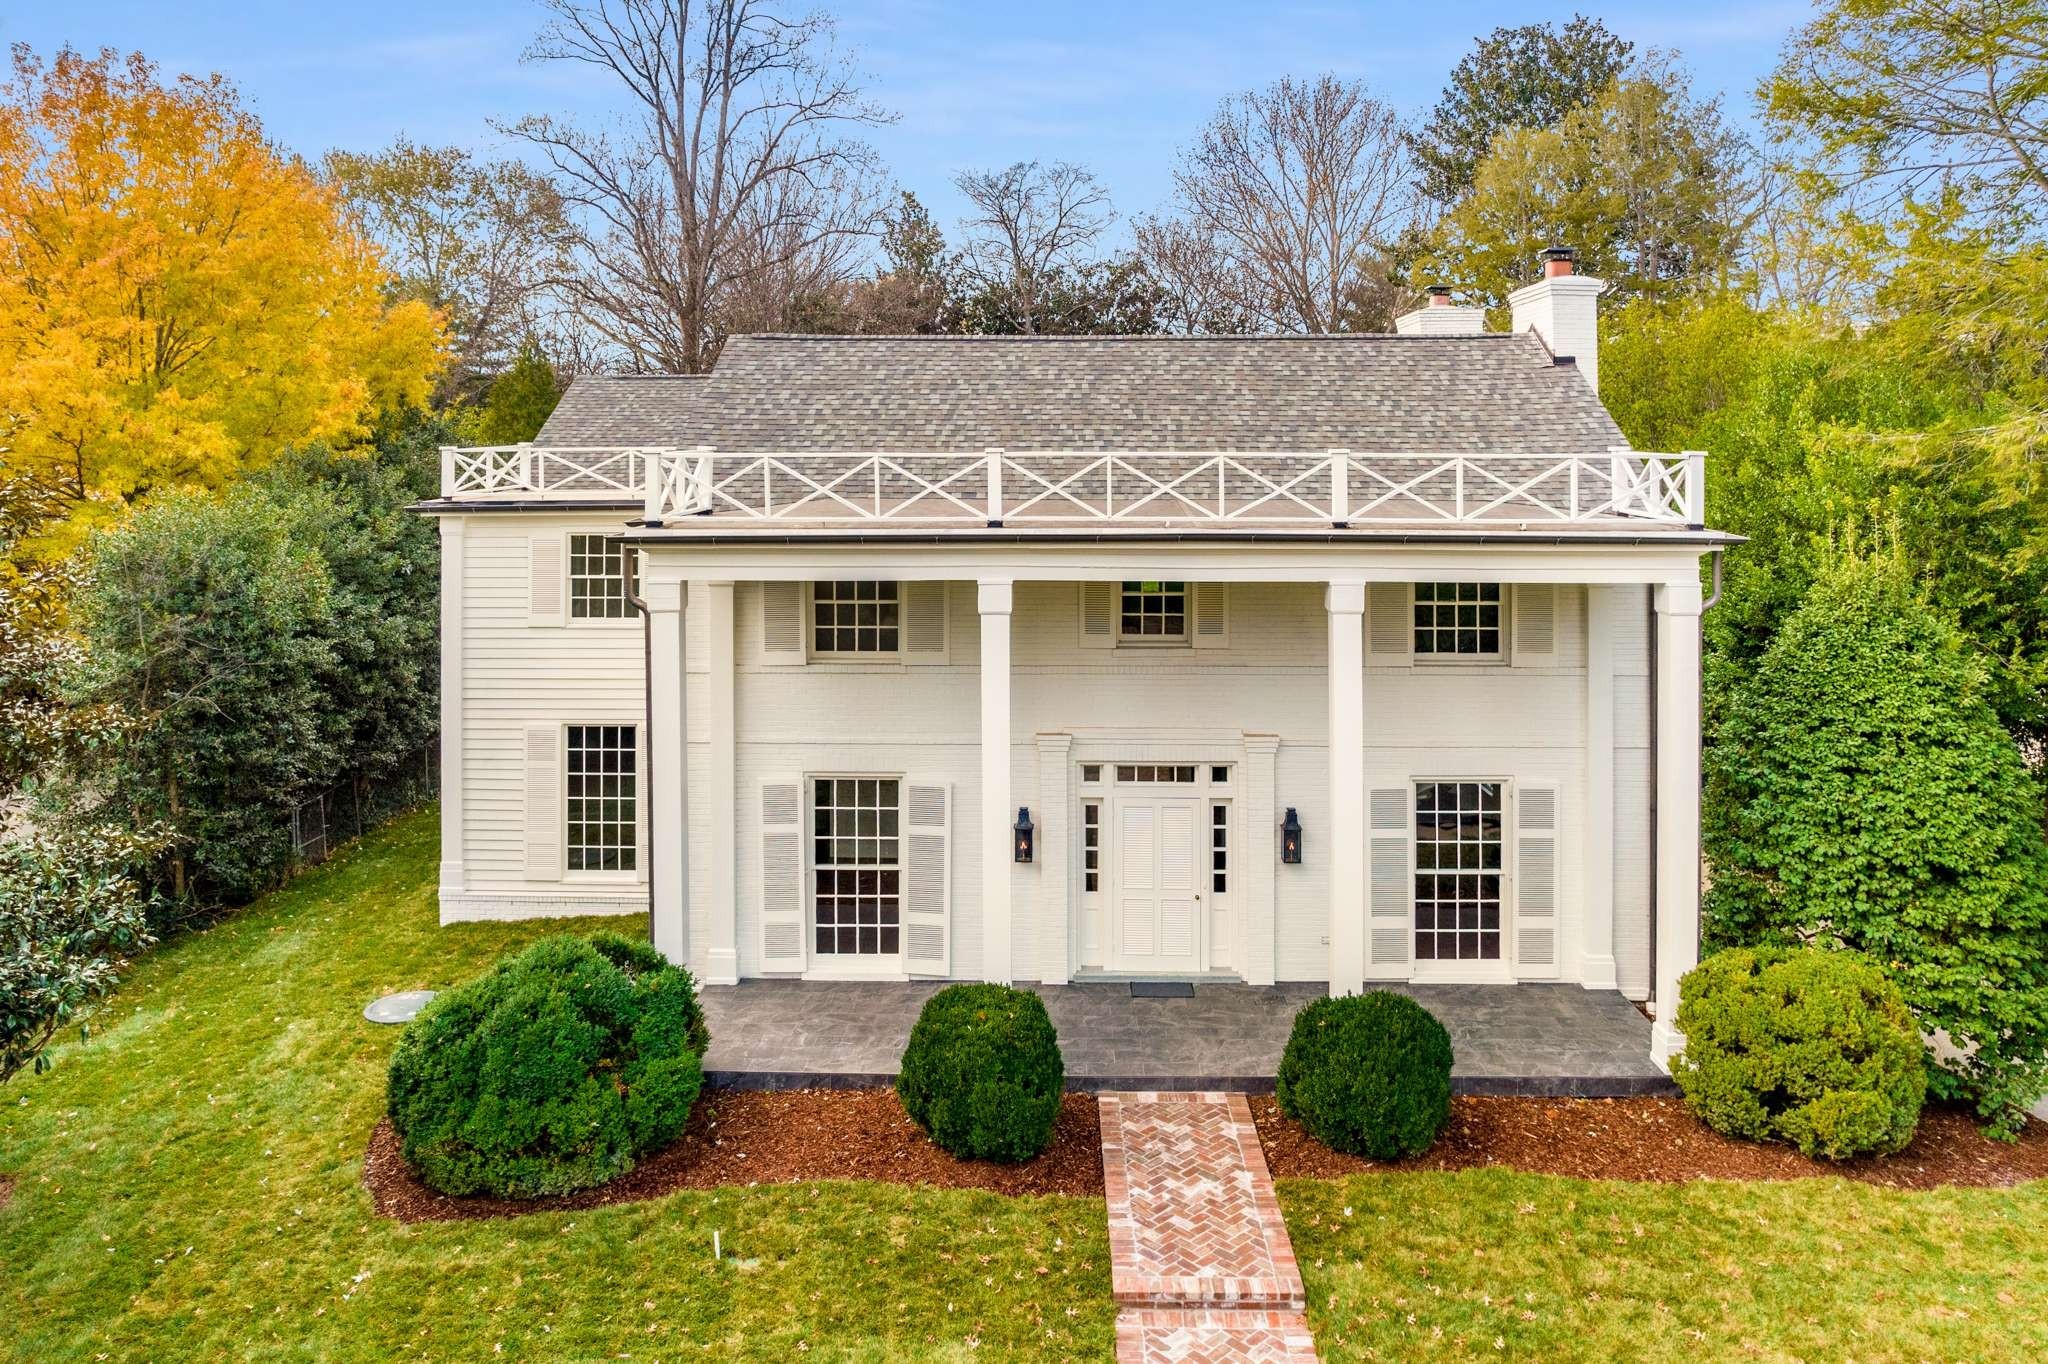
(348,809)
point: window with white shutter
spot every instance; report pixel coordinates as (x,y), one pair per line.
(782,876)
(1388,839)
(928,878)
(546,579)
(1538,830)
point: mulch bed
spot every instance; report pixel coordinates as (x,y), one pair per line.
(6,1192)
(775,1137)
(1655,1140)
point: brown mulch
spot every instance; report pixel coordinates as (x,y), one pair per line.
(6,1192)
(1655,1139)
(775,1137)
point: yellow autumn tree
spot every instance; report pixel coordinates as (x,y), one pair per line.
(178,298)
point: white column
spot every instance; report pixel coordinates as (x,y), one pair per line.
(1345,838)
(668,808)
(1258,901)
(1678,805)
(453,543)
(1596,904)
(721,786)
(994,600)
(1056,869)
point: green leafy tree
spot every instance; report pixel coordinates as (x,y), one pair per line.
(1526,77)
(520,399)
(1862,794)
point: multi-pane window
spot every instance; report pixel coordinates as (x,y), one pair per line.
(600,578)
(1154,772)
(1457,870)
(855,618)
(604,794)
(1154,611)
(1219,848)
(856,862)
(1091,847)
(1457,619)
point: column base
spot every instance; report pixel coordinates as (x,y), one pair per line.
(1597,973)
(722,966)
(1666,1042)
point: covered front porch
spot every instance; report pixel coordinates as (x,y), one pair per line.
(1538,1039)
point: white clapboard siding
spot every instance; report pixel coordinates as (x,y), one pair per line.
(1538,823)
(1536,625)
(547,579)
(782,624)
(924,622)
(544,809)
(928,879)
(1098,615)
(1390,624)
(1209,615)
(1390,877)
(782,875)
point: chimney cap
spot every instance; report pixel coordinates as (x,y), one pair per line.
(1439,295)
(1557,260)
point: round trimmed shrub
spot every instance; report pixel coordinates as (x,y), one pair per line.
(555,1071)
(1801,1045)
(982,1074)
(1368,1074)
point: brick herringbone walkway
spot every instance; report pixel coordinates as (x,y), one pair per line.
(1200,1263)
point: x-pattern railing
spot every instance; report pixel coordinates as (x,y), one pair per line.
(575,471)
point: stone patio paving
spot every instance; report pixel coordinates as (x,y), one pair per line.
(1508,1039)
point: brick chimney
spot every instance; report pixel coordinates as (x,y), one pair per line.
(1563,308)
(1440,317)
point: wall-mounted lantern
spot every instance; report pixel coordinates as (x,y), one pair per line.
(1024,832)
(1290,838)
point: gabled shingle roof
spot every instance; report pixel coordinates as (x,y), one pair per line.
(1491,392)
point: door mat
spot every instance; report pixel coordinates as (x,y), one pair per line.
(1162,989)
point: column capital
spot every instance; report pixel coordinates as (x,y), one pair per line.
(662,596)
(1344,599)
(1679,599)
(993,596)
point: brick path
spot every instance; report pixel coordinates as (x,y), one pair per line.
(1200,1263)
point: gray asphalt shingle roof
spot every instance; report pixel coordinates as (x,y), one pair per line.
(1492,392)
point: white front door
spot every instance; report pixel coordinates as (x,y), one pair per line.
(1156,886)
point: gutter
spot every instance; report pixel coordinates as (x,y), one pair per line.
(647,723)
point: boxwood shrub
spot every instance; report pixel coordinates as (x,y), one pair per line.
(1802,1045)
(982,1074)
(1368,1074)
(555,1071)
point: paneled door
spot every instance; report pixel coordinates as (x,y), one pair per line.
(1156,891)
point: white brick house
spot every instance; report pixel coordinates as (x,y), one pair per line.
(1173,596)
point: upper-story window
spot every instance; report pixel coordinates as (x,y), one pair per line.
(1459,620)
(1154,611)
(601,577)
(855,618)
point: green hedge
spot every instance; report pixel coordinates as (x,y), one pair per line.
(1368,1074)
(555,1071)
(982,1074)
(1801,1045)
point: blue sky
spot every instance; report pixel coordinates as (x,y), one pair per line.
(1116,86)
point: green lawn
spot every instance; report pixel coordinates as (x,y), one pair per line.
(188,1188)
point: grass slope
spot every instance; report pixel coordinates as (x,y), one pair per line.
(188,1187)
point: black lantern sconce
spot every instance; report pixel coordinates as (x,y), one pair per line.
(1290,838)
(1024,832)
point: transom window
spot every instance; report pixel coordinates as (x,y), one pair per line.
(856,865)
(1151,772)
(1459,619)
(1457,870)
(1154,611)
(855,618)
(603,793)
(601,576)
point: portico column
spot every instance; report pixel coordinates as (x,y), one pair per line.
(1596,931)
(1345,605)
(668,808)
(1678,805)
(994,600)
(451,875)
(721,725)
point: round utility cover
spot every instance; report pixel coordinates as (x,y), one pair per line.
(399,1008)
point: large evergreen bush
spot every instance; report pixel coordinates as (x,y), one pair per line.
(1862,794)
(982,1074)
(1801,1045)
(556,1071)
(1368,1074)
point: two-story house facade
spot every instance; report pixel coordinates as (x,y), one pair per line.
(1338,659)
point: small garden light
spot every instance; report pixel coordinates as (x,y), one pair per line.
(1290,838)
(1024,832)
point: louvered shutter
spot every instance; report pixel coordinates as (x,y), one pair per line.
(924,622)
(1390,902)
(545,815)
(1209,620)
(1535,642)
(928,879)
(782,623)
(782,875)
(1098,615)
(1538,824)
(546,580)
(1390,624)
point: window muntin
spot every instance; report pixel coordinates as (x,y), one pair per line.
(1457,870)
(1457,620)
(603,793)
(855,617)
(1153,611)
(857,869)
(1219,849)
(601,577)
(1091,847)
